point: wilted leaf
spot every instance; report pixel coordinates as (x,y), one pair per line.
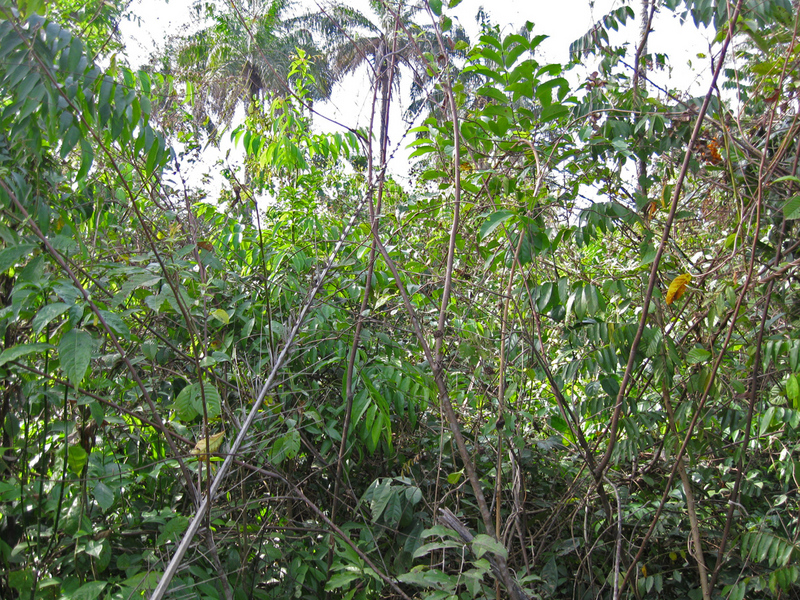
(214,442)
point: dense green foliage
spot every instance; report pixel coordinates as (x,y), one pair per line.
(563,362)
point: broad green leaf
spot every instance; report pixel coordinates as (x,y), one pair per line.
(791,208)
(285,447)
(103,495)
(793,388)
(16,352)
(88,591)
(75,353)
(47,314)
(554,111)
(493,222)
(482,543)
(454,478)
(76,458)
(697,355)
(550,576)
(393,511)
(87,159)
(339,580)
(11,256)
(172,530)
(212,398)
(116,324)
(189,403)
(426,548)
(766,425)
(184,407)
(380,498)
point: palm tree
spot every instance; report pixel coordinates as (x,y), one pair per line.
(386,43)
(244,55)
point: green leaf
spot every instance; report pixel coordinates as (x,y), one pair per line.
(11,256)
(16,352)
(116,324)
(454,478)
(791,209)
(426,548)
(75,353)
(212,397)
(87,158)
(189,403)
(550,576)
(766,424)
(482,543)
(70,139)
(88,591)
(340,580)
(697,355)
(493,222)
(172,530)
(380,498)
(436,7)
(554,111)
(77,458)
(103,495)
(286,447)
(393,511)
(793,388)
(47,314)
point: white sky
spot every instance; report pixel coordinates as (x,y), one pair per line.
(563,20)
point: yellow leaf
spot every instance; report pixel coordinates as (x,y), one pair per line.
(677,287)
(221,315)
(214,442)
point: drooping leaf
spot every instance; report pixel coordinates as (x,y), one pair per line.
(75,353)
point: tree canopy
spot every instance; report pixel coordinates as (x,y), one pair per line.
(558,358)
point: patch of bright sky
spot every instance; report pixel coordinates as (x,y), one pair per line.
(563,21)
